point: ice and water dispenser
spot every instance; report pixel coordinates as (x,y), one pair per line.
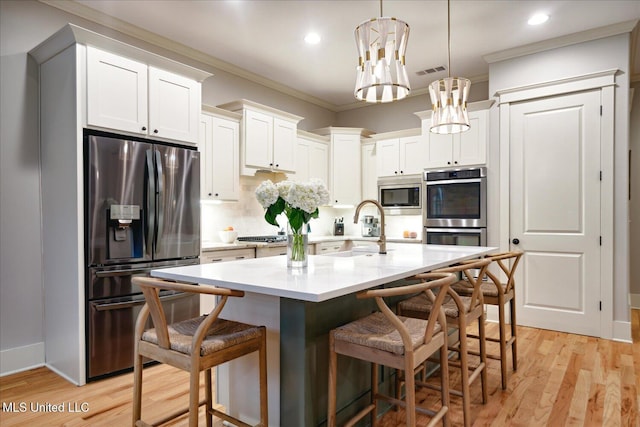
(125,234)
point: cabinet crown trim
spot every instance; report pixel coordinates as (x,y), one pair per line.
(215,111)
(72,34)
(331,130)
(243,104)
(397,134)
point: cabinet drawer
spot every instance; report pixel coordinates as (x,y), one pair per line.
(329,247)
(226,255)
(271,251)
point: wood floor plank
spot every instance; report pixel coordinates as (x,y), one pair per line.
(562,380)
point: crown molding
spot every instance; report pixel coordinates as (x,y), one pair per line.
(581,37)
(125,28)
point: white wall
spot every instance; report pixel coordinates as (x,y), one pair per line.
(589,57)
(634,202)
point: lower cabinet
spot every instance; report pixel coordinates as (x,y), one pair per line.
(207,302)
(264,251)
(329,247)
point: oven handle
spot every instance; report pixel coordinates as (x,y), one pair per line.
(455,230)
(136,303)
(455,181)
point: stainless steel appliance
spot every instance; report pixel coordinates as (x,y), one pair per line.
(264,239)
(401,195)
(142,211)
(455,206)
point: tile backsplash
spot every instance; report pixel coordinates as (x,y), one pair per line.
(247,216)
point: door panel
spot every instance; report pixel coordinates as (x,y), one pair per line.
(178,206)
(555,211)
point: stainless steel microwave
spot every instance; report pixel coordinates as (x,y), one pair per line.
(401,195)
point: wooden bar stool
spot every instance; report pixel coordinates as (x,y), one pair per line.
(383,338)
(194,345)
(460,312)
(497,293)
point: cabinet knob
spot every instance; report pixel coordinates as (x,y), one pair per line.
(216,194)
(144,128)
(401,172)
(210,194)
(155,131)
(270,164)
(448,163)
(455,163)
(396,172)
(277,165)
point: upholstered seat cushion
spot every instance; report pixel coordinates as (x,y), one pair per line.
(222,334)
(489,289)
(422,304)
(376,331)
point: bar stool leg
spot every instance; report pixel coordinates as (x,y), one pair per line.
(483,358)
(374,393)
(209,395)
(464,368)
(264,404)
(503,345)
(333,369)
(514,341)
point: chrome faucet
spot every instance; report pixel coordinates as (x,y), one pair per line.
(382,241)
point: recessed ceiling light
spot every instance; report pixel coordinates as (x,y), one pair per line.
(312,38)
(538,18)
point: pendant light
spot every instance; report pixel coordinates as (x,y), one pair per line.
(381,74)
(449,97)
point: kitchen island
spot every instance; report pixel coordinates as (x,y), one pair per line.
(299,308)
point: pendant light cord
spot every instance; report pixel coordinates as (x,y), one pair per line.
(381,15)
(448,36)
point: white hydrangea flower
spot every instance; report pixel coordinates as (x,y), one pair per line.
(321,191)
(267,193)
(284,187)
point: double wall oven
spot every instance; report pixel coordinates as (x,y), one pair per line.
(455,207)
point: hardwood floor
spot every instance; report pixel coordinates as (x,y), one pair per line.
(562,380)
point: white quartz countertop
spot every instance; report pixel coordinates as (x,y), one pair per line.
(327,276)
(210,245)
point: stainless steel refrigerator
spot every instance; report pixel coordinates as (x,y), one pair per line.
(142,211)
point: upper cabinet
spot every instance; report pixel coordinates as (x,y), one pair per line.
(219,144)
(344,164)
(369,170)
(461,149)
(131,96)
(268,137)
(312,157)
(400,155)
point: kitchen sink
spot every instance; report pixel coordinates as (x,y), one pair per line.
(357,251)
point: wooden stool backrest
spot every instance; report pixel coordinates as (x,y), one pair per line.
(467,268)
(508,262)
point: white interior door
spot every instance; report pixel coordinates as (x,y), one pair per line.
(555,211)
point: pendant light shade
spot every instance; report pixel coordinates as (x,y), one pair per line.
(381,75)
(449,101)
(449,97)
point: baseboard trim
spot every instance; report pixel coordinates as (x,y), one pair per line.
(622,331)
(634,300)
(20,359)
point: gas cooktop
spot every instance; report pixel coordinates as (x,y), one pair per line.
(265,239)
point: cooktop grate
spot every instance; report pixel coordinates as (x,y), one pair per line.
(266,239)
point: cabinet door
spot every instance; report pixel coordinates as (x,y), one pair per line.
(284,145)
(319,162)
(205,146)
(388,157)
(470,147)
(369,172)
(258,140)
(174,106)
(345,169)
(225,159)
(116,92)
(439,151)
(303,163)
(412,155)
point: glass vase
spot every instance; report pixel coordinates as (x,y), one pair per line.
(297,248)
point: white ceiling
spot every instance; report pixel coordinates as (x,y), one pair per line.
(265,37)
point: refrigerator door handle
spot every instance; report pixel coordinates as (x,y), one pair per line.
(138,302)
(150,203)
(159,200)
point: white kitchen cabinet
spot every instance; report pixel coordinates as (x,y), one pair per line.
(268,137)
(312,158)
(344,164)
(219,144)
(401,156)
(369,160)
(269,250)
(461,149)
(64,110)
(131,96)
(207,302)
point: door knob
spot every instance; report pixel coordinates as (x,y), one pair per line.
(515,241)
